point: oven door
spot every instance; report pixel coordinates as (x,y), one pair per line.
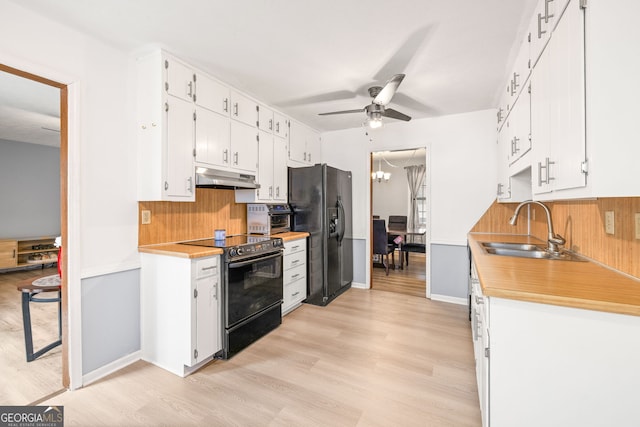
(252,286)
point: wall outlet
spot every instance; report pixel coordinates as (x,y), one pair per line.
(609,222)
(637,225)
(146,217)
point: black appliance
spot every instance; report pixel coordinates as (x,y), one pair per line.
(251,288)
(320,197)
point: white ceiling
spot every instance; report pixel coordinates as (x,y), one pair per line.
(306,58)
(29,111)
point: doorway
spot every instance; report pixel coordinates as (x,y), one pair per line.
(36,125)
(393,200)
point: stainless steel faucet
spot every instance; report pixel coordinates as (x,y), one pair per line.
(554,241)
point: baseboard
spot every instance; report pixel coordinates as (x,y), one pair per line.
(452,300)
(110,368)
(359,285)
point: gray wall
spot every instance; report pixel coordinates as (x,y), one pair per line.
(29,190)
(110,318)
(449,270)
(359,261)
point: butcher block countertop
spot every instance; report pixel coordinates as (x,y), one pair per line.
(186,251)
(586,285)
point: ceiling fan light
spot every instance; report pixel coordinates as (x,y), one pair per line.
(387,175)
(375,123)
(374,175)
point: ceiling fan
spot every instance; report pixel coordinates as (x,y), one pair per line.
(381,98)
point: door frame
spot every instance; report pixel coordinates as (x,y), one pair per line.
(68,330)
(427,237)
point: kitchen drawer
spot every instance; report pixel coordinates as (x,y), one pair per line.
(206,267)
(295,260)
(294,274)
(294,293)
(295,246)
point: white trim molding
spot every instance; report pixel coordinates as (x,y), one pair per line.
(112,367)
(451,300)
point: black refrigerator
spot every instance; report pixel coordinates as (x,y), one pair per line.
(320,198)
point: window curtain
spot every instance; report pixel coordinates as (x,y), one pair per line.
(415,176)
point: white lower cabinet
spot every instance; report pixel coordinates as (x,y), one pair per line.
(295,274)
(180,311)
(547,365)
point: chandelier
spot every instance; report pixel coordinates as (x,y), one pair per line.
(380,174)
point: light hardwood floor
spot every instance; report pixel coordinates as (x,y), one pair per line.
(369,358)
(25,382)
(411,280)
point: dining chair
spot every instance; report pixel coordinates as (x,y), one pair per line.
(380,244)
(398,223)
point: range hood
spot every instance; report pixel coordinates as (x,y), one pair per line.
(215,178)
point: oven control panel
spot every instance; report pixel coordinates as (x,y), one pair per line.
(250,249)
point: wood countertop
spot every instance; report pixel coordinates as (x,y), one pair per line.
(185,251)
(292,235)
(178,250)
(586,285)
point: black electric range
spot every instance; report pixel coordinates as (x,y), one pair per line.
(241,246)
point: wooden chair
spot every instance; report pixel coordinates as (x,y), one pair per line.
(380,244)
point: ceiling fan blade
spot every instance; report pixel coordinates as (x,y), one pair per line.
(390,112)
(401,58)
(389,89)
(360,110)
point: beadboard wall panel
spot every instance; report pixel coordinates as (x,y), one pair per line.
(581,222)
(175,221)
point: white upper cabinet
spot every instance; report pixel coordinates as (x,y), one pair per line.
(244,109)
(558,108)
(187,118)
(213,138)
(165,129)
(265,119)
(304,144)
(179,79)
(212,95)
(280,125)
(520,127)
(244,147)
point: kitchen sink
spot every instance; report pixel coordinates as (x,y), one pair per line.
(512,246)
(527,251)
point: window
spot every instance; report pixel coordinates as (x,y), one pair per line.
(422,206)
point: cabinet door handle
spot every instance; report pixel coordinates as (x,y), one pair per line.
(270,124)
(278,191)
(295,294)
(271,191)
(208,268)
(235,158)
(547,172)
(540,30)
(190,93)
(277,127)
(235,109)
(190,186)
(14,253)
(225,105)
(295,275)
(546,11)
(225,156)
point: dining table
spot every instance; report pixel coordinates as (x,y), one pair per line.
(404,233)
